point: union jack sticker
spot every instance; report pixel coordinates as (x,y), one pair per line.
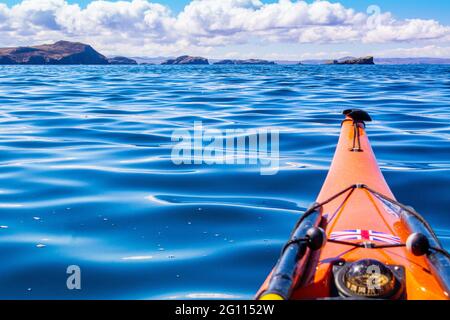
(367,235)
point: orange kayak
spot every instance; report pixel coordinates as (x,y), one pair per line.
(357,241)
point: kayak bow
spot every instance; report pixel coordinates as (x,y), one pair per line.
(358,241)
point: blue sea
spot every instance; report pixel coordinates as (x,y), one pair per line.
(86,176)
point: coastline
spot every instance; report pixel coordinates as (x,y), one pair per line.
(76,53)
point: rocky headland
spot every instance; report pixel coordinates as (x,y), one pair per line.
(61,52)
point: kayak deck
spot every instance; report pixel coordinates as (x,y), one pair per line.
(360,216)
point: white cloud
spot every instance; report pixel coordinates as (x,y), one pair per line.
(285,20)
(143,27)
(391,30)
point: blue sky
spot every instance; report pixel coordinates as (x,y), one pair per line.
(218,30)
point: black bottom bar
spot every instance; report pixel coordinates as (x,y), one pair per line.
(181,310)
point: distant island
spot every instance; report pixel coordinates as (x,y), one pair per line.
(382,61)
(423,60)
(186,60)
(352,60)
(122,60)
(203,61)
(245,62)
(76,53)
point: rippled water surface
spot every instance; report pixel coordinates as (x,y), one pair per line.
(86,176)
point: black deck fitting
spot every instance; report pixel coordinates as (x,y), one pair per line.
(358,115)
